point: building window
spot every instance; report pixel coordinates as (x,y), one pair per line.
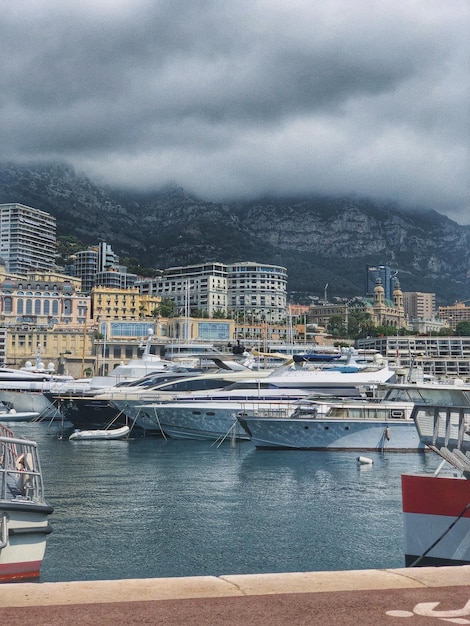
(29,306)
(47,307)
(55,307)
(37,307)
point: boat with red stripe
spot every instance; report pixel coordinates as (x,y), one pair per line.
(436,507)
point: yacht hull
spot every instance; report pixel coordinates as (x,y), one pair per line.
(25,528)
(329,434)
(30,402)
(436,520)
(190,420)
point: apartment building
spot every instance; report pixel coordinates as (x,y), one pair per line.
(251,289)
(458,312)
(258,289)
(419,305)
(201,287)
(99,265)
(27,238)
(121,304)
(437,356)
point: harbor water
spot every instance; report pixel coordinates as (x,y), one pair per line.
(151,507)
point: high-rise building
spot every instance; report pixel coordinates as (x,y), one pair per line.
(386,276)
(419,305)
(258,288)
(27,238)
(85,267)
(99,265)
(201,287)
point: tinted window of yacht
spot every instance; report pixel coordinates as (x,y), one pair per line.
(195,384)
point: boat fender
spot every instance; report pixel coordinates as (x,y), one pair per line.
(364,460)
(387,434)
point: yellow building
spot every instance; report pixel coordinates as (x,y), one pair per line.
(455,313)
(70,350)
(41,300)
(108,303)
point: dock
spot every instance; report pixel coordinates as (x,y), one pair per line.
(428,595)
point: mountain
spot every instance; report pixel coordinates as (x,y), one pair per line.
(319,239)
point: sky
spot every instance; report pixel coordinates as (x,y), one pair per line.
(238,99)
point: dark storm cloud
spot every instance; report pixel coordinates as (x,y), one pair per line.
(237,98)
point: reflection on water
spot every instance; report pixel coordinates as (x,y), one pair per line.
(155,508)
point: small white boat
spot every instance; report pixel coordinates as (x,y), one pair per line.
(24,513)
(110,434)
(8,414)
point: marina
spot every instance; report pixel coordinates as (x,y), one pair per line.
(150,507)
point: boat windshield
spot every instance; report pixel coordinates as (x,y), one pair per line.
(431,395)
(359,412)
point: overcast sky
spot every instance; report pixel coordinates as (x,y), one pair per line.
(231,98)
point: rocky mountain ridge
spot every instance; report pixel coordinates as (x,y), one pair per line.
(319,239)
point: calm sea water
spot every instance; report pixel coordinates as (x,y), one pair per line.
(154,508)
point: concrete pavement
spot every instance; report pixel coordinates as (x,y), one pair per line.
(367,597)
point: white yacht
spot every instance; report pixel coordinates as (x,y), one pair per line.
(37,389)
(119,405)
(384,424)
(24,388)
(204,414)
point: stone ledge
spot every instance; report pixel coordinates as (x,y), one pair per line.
(154,589)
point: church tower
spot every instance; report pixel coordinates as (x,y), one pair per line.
(379,294)
(398,296)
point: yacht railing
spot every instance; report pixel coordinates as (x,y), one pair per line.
(446,431)
(20,470)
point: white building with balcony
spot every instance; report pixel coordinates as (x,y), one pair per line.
(250,290)
(27,238)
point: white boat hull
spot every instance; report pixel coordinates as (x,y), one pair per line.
(30,401)
(432,505)
(333,434)
(24,513)
(27,529)
(18,416)
(109,434)
(206,421)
